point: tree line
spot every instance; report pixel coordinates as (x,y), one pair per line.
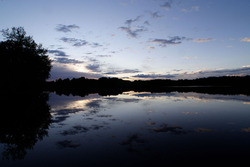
(112,86)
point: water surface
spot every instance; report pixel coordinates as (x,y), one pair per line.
(133,129)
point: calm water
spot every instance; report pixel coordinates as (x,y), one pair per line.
(133,129)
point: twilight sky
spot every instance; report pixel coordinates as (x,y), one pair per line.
(137,39)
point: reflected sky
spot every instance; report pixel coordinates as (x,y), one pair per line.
(143,128)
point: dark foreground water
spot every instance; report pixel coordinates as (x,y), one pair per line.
(131,129)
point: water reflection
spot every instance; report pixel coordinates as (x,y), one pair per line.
(170,129)
(175,96)
(67,144)
(140,128)
(24,120)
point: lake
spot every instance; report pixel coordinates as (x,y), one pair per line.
(129,129)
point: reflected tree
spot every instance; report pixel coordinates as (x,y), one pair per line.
(25,119)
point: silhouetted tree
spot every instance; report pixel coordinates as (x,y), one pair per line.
(24,63)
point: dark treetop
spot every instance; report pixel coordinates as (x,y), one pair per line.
(24,64)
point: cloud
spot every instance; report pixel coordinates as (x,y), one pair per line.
(130,71)
(93,64)
(74,41)
(66,28)
(94,67)
(171,41)
(246,39)
(189,57)
(63,71)
(65,60)
(95,44)
(90,59)
(130,21)
(194,8)
(146,23)
(167,5)
(133,31)
(103,56)
(245,70)
(58,53)
(156,14)
(124,71)
(151,47)
(201,40)
(153,76)
(246,66)
(80,42)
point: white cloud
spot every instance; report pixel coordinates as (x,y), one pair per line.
(201,40)
(65,71)
(246,66)
(151,47)
(246,39)
(189,57)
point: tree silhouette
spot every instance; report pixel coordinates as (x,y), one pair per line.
(24,63)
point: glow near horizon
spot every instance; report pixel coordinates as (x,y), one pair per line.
(133,38)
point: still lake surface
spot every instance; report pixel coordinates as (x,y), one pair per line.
(136,128)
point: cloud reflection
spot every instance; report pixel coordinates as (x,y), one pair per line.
(176,96)
(75,130)
(67,144)
(133,142)
(171,129)
(203,130)
(246,129)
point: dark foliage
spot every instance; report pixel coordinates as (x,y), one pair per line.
(113,86)
(24,64)
(83,86)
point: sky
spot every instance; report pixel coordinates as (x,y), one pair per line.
(137,39)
